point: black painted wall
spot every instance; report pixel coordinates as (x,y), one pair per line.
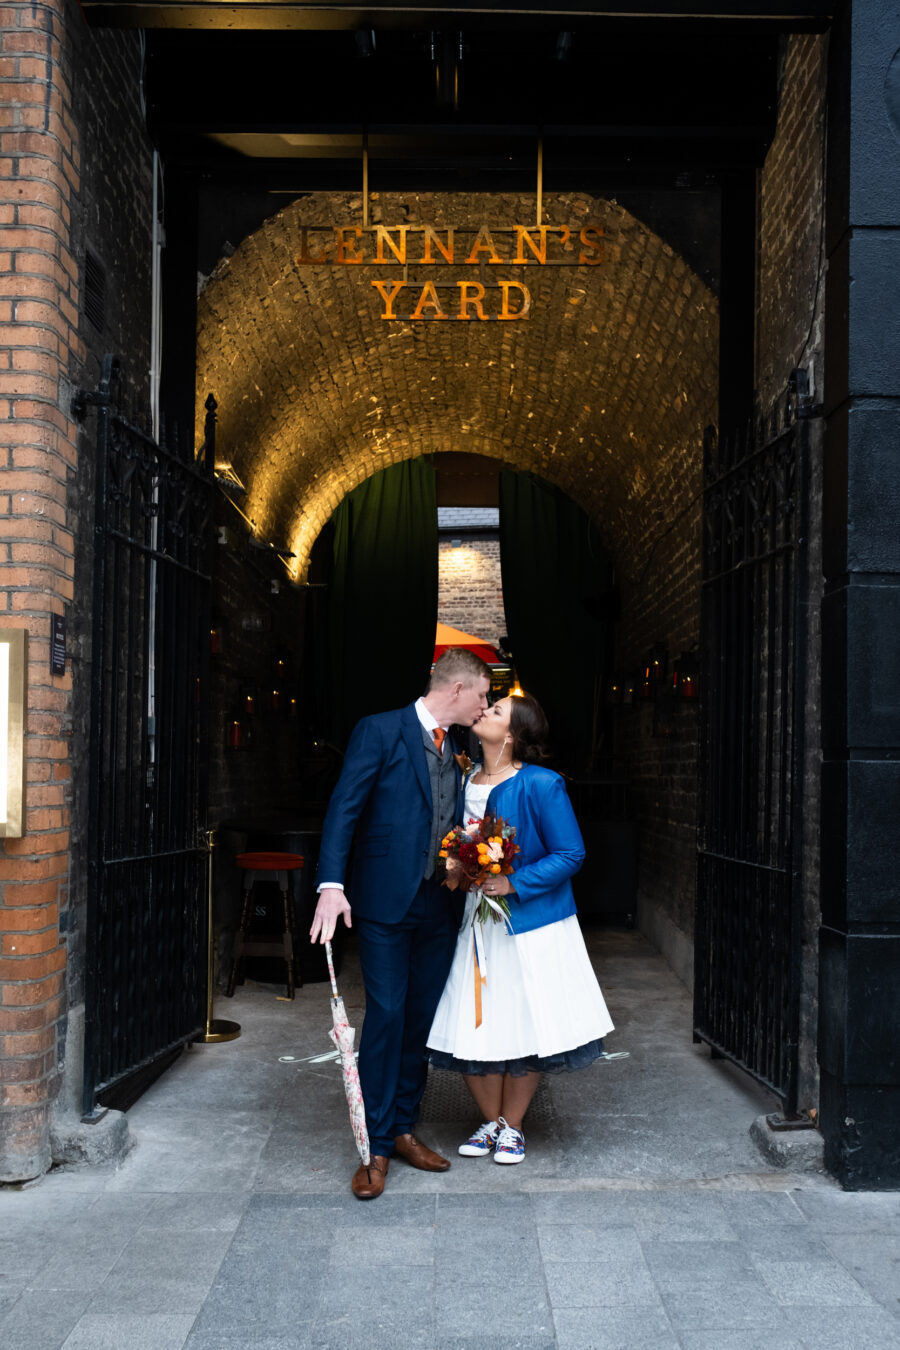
(859,1029)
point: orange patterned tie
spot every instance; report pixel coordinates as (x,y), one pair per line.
(439,733)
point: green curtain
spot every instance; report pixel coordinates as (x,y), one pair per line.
(384,593)
(559,602)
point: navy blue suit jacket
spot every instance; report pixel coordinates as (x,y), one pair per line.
(382,806)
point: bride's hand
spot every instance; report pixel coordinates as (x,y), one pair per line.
(498,885)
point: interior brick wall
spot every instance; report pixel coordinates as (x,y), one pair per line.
(601,391)
(256,625)
(470,591)
(791,291)
(111,218)
(790,334)
(662,605)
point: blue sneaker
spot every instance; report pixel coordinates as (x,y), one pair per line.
(482,1141)
(510,1145)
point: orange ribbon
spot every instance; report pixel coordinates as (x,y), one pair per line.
(479,981)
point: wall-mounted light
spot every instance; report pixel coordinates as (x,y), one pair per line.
(686,676)
(13,698)
(629,684)
(654,671)
(264,546)
(614,691)
(227,479)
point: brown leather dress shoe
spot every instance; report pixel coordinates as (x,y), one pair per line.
(368,1182)
(413,1151)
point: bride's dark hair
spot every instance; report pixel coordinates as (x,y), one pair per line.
(530,730)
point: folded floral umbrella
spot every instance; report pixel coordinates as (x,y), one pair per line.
(343,1036)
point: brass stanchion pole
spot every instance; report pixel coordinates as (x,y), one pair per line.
(217,1029)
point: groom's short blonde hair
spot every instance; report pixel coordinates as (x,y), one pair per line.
(457,663)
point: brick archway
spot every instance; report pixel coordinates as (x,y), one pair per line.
(604,391)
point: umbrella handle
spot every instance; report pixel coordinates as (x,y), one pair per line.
(330,959)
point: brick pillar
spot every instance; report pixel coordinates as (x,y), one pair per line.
(39,178)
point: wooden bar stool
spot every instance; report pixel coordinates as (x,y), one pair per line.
(265,867)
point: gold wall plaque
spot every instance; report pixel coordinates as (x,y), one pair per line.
(13,699)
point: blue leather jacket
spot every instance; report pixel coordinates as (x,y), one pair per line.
(552,849)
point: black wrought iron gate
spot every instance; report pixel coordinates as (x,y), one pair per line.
(747,975)
(146,938)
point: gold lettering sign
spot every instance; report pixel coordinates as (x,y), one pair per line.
(422,246)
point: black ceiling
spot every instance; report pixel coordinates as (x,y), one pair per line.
(272,107)
(314,15)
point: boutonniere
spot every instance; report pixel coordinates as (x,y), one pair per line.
(465,764)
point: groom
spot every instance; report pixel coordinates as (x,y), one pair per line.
(396,798)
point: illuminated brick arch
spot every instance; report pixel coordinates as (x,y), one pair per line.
(604,390)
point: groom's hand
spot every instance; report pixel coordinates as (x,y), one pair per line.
(332,904)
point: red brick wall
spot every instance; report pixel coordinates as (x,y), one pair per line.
(39,298)
(74,175)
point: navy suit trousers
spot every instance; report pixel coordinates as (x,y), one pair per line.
(404,967)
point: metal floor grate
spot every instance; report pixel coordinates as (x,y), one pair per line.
(447,1099)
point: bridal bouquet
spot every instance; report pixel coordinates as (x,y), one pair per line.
(480,849)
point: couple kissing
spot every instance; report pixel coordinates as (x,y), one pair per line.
(401,791)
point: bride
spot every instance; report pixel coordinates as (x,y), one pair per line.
(542,1009)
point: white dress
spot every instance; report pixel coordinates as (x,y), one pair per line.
(540,1001)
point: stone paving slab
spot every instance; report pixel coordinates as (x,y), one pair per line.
(642,1217)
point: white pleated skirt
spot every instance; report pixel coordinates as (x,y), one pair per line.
(540,997)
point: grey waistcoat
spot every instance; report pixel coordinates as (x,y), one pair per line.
(442,772)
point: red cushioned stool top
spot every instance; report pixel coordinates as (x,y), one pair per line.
(269,862)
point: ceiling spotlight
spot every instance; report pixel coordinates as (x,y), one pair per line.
(365,42)
(563,46)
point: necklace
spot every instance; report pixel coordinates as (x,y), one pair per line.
(497,772)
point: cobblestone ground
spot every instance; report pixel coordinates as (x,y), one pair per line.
(643,1216)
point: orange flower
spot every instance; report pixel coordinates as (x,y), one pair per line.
(443,853)
(495,867)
